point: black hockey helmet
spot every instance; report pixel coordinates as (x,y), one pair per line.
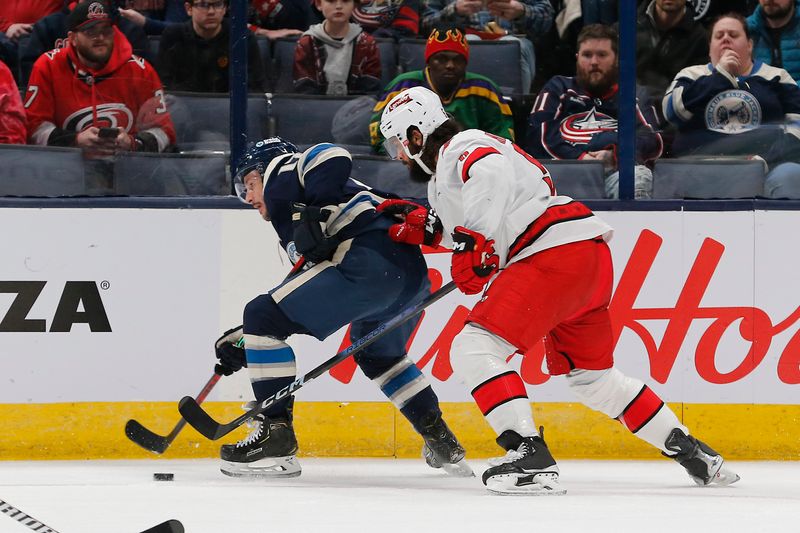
(261,156)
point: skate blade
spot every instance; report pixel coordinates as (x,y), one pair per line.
(269,467)
(724,477)
(542,485)
(459,469)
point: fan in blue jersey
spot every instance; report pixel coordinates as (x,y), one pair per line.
(737,106)
(353,272)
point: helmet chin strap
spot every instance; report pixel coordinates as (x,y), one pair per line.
(423,166)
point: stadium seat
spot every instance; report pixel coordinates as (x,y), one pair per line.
(581,180)
(388,51)
(304,118)
(41,171)
(386,175)
(202,120)
(497,60)
(264,54)
(282,64)
(726,177)
(195,174)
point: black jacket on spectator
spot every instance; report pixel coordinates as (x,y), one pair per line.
(190,63)
(661,55)
(51,32)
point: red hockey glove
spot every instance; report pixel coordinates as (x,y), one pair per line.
(419,225)
(473,260)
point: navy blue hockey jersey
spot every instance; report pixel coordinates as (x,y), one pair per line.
(717,113)
(320,177)
(566,122)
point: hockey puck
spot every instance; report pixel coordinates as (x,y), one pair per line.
(162,476)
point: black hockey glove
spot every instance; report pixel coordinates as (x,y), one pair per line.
(309,238)
(230,352)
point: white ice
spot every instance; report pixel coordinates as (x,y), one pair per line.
(391,495)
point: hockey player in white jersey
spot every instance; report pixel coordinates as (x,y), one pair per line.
(543,265)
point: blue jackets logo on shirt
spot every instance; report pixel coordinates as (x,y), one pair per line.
(580,128)
(733,112)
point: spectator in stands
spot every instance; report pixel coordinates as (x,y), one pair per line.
(336,56)
(194,55)
(775,28)
(493,19)
(667,40)
(737,106)
(388,18)
(51,32)
(12,113)
(16,21)
(274,19)
(576,117)
(18,16)
(94,94)
(154,20)
(706,11)
(473,100)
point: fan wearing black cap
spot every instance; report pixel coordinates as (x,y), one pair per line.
(96,94)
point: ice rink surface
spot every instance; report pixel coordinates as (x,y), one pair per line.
(391,495)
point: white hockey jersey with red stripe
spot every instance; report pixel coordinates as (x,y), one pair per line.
(490,185)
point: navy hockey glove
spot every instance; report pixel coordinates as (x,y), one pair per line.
(230,352)
(419,225)
(309,238)
(474,260)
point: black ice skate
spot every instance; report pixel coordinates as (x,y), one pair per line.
(442,450)
(528,468)
(704,465)
(269,451)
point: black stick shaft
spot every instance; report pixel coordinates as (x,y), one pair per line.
(211,429)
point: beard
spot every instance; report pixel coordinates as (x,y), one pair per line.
(416,173)
(778,12)
(96,56)
(599,84)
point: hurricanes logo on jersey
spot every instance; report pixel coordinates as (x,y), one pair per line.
(108,115)
(580,128)
(733,112)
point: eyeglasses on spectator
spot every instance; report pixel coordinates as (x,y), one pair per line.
(205,6)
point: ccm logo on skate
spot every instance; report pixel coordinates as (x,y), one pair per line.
(80,303)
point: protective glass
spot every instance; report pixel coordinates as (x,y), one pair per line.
(393,147)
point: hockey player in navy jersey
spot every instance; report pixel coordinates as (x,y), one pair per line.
(736,106)
(544,268)
(353,274)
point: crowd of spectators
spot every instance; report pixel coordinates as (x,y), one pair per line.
(715,77)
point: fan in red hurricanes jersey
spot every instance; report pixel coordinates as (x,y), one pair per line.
(95,94)
(544,268)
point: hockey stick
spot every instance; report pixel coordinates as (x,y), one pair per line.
(211,429)
(153,442)
(170,526)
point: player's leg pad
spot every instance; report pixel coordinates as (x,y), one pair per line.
(703,464)
(442,450)
(527,469)
(268,451)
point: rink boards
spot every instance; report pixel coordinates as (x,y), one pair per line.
(111,314)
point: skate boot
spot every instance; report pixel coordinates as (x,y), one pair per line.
(442,450)
(269,450)
(704,465)
(528,468)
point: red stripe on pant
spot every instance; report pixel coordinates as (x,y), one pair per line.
(498,390)
(641,410)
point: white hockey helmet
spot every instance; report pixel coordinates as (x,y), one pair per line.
(417,106)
